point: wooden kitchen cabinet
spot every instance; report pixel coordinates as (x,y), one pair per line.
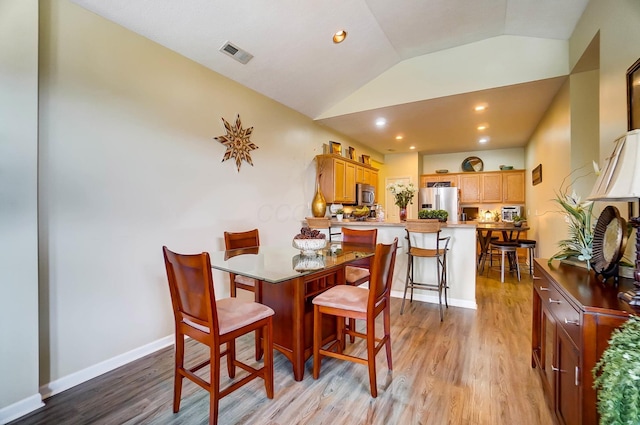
(469,188)
(513,187)
(491,190)
(425,179)
(573,317)
(338,177)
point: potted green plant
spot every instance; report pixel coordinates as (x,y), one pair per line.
(518,220)
(440,215)
(617,376)
(340,214)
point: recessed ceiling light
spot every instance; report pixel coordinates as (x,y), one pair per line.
(399,137)
(412,147)
(481,107)
(381,122)
(483,140)
(339,36)
(483,127)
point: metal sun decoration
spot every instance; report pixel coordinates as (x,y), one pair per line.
(237,142)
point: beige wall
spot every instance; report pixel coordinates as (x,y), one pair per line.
(491,159)
(563,141)
(18,207)
(550,146)
(127,163)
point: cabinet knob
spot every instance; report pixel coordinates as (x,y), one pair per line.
(543,288)
(536,277)
(571,322)
(552,301)
(555,369)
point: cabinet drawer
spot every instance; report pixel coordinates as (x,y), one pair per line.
(567,317)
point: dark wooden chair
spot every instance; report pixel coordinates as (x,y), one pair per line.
(346,301)
(236,240)
(213,323)
(358,271)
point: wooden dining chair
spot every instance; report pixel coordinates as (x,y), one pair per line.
(236,240)
(213,323)
(357,272)
(345,301)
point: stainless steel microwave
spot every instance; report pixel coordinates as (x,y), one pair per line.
(365,194)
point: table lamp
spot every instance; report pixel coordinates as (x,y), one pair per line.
(620,181)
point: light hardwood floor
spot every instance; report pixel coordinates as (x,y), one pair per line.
(474,368)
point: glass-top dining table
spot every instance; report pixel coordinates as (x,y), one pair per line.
(287,282)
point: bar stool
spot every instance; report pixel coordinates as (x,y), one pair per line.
(530,246)
(509,248)
(431,246)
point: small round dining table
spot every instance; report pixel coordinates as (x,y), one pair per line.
(485,231)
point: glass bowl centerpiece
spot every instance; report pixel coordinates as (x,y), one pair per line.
(309,241)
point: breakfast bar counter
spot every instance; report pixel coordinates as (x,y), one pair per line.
(461,259)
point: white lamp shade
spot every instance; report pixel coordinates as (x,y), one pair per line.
(620,178)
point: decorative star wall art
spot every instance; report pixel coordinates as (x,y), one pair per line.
(237,143)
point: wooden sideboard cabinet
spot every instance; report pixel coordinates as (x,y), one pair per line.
(572,320)
(425,179)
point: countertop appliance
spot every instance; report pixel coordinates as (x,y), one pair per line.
(510,211)
(441,198)
(365,194)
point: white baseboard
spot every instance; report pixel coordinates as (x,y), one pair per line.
(454,302)
(69,381)
(21,408)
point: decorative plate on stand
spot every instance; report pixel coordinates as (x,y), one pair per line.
(472,163)
(609,243)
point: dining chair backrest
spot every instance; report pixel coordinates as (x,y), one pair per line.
(359,237)
(191,287)
(235,240)
(382,268)
(423,233)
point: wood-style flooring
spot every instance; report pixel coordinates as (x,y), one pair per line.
(473,368)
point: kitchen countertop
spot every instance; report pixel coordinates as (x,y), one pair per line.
(356,223)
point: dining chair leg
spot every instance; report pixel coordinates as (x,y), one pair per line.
(317,340)
(214,385)
(371,357)
(178,377)
(340,333)
(231,358)
(386,316)
(268,357)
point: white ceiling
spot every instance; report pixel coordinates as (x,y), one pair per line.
(296,64)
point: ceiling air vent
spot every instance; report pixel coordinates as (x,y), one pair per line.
(235,52)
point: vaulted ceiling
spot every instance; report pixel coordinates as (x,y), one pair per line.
(296,63)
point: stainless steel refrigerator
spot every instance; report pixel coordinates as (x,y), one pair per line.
(441,198)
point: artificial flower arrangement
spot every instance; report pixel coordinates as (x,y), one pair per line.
(579,217)
(403,193)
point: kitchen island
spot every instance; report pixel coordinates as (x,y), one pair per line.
(461,259)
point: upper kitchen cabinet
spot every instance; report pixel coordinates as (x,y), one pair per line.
(428,180)
(469,188)
(491,190)
(498,187)
(338,178)
(513,187)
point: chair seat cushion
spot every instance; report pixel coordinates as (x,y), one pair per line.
(234,313)
(245,280)
(526,242)
(345,297)
(354,274)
